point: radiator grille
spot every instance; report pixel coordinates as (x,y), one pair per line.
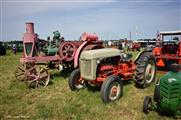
(169,90)
(87,67)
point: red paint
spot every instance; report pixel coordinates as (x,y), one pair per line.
(179,50)
(123,69)
(89,37)
(29,37)
(157,51)
(76,57)
(86,45)
(165,52)
(69,51)
(160,63)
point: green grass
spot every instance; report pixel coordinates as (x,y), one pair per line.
(57,101)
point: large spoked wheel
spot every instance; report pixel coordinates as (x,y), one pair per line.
(67,51)
(145,70)
(21,71)
(147,105)
(37,76)
(75,82)
(111,89)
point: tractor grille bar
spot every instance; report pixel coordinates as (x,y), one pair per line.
(169,91)
(87,67)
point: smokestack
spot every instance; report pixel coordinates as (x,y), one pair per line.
(29,27)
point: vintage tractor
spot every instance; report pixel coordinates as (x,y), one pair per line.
(167,52)
(108,68)
(56,53)
(167,94)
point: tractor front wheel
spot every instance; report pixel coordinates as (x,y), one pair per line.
(111,89)
(147,105)
(157,93)
(145,70)
(75,81)
(37,77)
(21,71)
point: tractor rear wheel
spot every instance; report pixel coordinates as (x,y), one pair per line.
(147,105)
(145,70)
(75,82)
(111,89)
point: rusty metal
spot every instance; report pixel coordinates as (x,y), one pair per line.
(37,76)
(68,49)
(89,37)
(64,52)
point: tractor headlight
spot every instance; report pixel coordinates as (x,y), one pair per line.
(98,61)
(60,67)
(124,55)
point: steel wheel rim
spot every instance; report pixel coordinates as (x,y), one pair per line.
(149,72)
(67,51)
(20,72)
(115,90)
(38,77)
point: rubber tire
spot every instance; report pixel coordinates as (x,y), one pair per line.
(156,96)
(146,103)
(105,88)
(141,65)
(71,80)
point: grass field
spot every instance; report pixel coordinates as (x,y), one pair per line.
(58,102)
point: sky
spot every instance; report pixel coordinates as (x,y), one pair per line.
(110,19)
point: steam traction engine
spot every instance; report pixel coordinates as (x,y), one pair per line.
(108,68)
(40,55)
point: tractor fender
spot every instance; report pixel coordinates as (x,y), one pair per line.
(77,54)
(140,53)
(85,46)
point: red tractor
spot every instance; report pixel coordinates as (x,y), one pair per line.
(56,53)
(168,49)
(109,67)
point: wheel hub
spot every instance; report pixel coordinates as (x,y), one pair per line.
(67,51)
(37,77)
(79,83)
(114,91)
(149,73)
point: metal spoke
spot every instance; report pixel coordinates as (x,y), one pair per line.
(38,76)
